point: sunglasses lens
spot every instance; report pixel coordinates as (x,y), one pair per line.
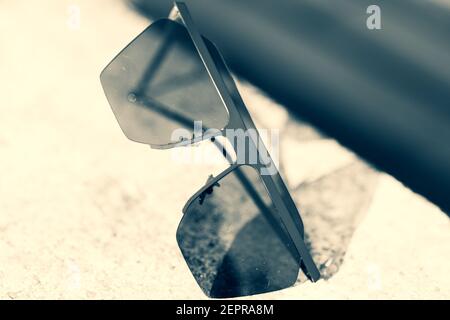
(231,241)
(158,84)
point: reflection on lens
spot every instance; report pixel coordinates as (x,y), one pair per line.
(232,242)
(158,84)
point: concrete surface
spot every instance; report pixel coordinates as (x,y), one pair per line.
(85,213)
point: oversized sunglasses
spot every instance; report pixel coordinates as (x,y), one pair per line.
(241,233)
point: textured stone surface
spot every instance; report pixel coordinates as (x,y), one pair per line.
(85,213)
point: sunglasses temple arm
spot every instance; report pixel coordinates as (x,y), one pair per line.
(223,91)
(308,264)
(224,75)
(268,214)
(255,197)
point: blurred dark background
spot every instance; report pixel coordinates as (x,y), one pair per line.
(383,93)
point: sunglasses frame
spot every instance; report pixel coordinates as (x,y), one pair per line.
(240,119)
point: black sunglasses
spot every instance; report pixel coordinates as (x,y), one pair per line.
(241,233)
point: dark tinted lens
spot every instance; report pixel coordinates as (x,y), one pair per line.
(158,83)
(231,240)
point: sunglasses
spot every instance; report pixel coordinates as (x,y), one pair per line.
(241,233)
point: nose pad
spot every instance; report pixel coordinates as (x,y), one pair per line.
(209,190)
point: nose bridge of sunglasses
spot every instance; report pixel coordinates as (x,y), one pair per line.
(229,154)
(208,190)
